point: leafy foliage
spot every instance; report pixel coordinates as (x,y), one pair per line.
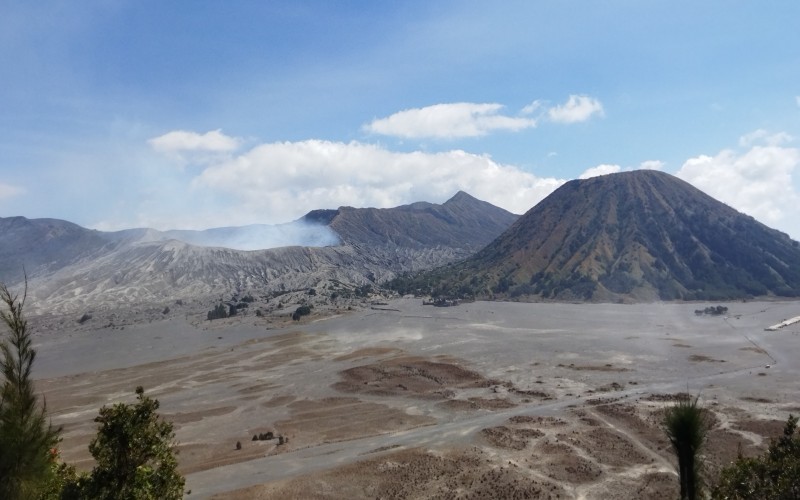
(263,436)
(134,454)
(26,437)
(300,312)
(61,482)
(219,312)
(712,311)
(773,475)
(686,425)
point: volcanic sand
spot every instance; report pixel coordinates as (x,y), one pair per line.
(481,400)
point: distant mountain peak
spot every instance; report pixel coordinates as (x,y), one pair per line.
(320,216)
(462,222)
(73,267)
(639,235)
(462,197)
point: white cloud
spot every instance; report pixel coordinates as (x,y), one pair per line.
(578,108)
(282,181)
(600,170)
(763,137)
(652,165)
(605,169)
(532,107)
(182,140)
(466,119)
(190,148)
(9,191)
(758,182)
(797,100)
(448,121)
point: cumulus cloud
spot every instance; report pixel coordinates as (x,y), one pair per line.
(183,140)
(190,148)
(467,119)
(578,108)
(281,181)
(758,182)
(600,170)
(448,121)
(9,191)
(652,165)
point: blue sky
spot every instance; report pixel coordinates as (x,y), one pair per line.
(194,114)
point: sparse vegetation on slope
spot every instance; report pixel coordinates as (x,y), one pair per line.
(641,235)
(219,312)
(301,311)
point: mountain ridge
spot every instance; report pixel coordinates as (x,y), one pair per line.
(641,235)
(80,267)
(461,221)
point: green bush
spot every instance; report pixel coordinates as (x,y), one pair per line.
(26,436)
(300,312)
(134,455)
(219,312)
(773,475)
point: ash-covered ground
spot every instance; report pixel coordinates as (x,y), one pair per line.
(402,400)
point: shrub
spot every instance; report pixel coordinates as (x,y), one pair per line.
(775,474)
(218,312)
(134,455)
(263,436)
(686,425)
(711,310)
(300,312)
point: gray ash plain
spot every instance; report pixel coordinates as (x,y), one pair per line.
(420,402)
